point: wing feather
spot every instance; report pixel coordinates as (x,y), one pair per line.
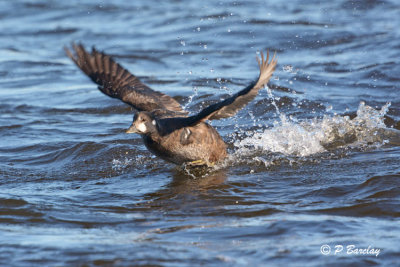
(115,81)
(233,104)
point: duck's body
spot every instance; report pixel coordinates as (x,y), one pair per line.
(174,140)
(200,144)
(166,129)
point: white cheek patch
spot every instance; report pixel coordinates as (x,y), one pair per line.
(153,122)
(142,127)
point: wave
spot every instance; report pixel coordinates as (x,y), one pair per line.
(292,138)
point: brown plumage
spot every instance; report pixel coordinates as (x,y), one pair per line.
(117,82)
(166,129)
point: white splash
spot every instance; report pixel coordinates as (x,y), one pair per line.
(190,100)
(306,138)
(119,164)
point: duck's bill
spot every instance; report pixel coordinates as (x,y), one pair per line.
(132,129)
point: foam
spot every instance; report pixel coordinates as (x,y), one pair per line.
(289,137)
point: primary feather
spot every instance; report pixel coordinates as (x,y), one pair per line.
(115,81)
(233,104)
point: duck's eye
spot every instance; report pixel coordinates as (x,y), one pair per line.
(142,119)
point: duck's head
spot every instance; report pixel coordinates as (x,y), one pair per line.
(143,123)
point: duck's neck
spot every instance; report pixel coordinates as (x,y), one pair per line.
(152,137)
(154,145)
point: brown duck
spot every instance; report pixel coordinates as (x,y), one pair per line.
(166,129)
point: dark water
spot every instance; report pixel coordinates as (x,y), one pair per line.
(76,190)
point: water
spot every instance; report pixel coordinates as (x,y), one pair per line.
(311,161)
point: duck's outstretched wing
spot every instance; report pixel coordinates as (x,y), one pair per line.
(117,82)
(233,104)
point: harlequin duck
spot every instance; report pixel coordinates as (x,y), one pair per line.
(166,129)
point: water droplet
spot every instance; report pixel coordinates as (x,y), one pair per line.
(287,68)
(205,46)
(183,43)
(198,29)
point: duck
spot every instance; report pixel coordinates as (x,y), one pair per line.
(167,130)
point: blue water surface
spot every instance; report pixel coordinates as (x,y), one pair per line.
(75,190)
